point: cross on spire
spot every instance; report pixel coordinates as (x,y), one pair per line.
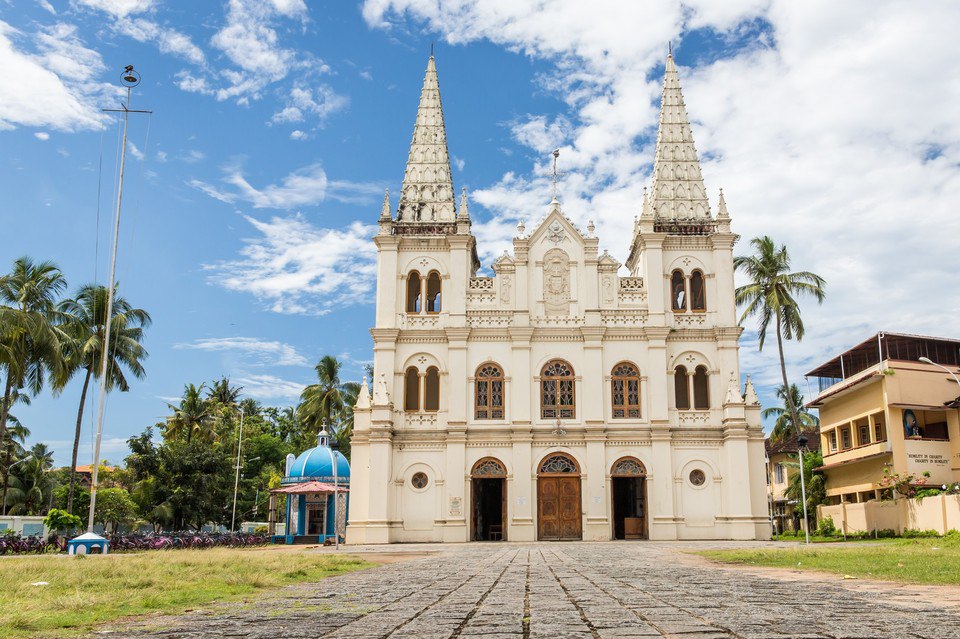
(556,175)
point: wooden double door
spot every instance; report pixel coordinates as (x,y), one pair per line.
(559,514)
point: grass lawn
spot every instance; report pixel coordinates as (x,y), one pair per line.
(84,592)
(923,561)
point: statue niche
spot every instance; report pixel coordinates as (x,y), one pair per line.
(556,282)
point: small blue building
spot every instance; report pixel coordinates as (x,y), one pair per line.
(311,482)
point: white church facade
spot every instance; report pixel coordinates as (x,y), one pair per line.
(568,396)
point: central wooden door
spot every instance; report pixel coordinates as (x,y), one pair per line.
(558,508)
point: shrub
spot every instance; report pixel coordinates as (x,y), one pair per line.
(61,520)
(914,533)
(826,528)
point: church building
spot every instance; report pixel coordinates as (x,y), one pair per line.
(569,396)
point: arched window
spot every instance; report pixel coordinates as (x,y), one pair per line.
(431,399)
(626,390)
(414,285)
(488,403)
(556,391)
(433,292)
(682,387)
(678,291)
(558,464)
(701,391)
(411,389)
(698,292)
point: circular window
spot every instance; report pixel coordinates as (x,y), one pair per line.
(419,480)
(697,478)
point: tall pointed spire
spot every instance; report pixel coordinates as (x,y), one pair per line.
(427,194)
(677,191)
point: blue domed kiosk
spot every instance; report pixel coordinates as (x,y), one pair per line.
(310,484)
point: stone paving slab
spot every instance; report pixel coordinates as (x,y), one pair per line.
(558,591)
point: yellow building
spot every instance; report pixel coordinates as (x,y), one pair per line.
(882,407)
(786,514)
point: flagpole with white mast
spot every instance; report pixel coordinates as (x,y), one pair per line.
(130,79)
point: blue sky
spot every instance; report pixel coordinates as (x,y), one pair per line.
(252,190)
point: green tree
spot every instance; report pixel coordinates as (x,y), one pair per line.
(326,399)
(192,417)
(11,448)
(771,295)
(30,487)
(30,338)
(816,483)
(781,427)
(114,507)
(85,322)
(61,521)
(222,392)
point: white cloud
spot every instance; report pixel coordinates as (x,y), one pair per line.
(459,163)
(298,135)
(161,156)
(295,267)
(319,102)
(266,387)
(42,135)
(168,40)
(831,127)
(250,41)
(193,156)
(307,186)
(119,8)
(262,351)
(134,151)
(52,87)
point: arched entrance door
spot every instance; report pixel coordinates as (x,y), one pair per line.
(559,512)
(488,493)
(628,480)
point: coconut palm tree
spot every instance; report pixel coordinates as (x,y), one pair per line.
(192,417)
(84,319)
(771,295)
(781,427)
(30,484)
(223,393)
(30,340)
(12,448)
(322,401)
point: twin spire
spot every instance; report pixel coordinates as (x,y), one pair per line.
(677,194)
(427,194)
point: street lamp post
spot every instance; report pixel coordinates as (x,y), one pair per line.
(236,479)
(801,444)
(334,447)
(927,360)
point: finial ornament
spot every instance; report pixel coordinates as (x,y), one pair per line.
(556,175)
(590,228)
(521,228)
(750,394)
(464,212)
(385,210)
(669,48)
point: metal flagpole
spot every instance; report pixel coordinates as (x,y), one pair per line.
(130,79)
(236,479)
(801,444)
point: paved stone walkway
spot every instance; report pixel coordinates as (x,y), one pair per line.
(559,591)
